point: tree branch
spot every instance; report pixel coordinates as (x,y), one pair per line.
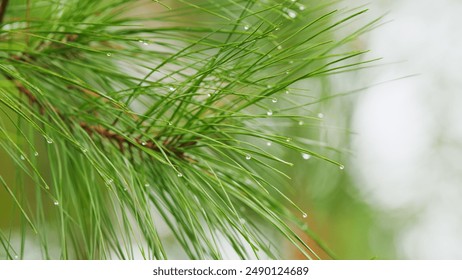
(104,132)
(3,6)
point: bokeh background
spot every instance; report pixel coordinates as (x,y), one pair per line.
(401,195)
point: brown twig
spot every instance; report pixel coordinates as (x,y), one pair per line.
(3,6)
(120,140)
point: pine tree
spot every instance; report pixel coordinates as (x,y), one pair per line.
(121,119)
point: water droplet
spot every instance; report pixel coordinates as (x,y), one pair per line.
(16,257)
(143,143)
(49,140)
(269,113)
(109,181)
(304,215)
(287,72)
(320,115)
(301,123)
(171,89)
(169,123)
(248,157)
(269,86)
(341,167)
(287,91)
(108,54)
(268,144)
(84,150)
(147,185)
(145,43)
(305,156)
(279,47)
(125,189)
(274,100)
(246,27)
(22,157)
(208,95)
(242,221)
(56,203)
(301,7)
(291,62)
(36,154)
(179,175)
(288,139)
(290,13)
(140,41)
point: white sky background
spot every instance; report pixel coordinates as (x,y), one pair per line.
(408,147)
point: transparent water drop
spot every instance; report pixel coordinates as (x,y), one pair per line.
(109,181)
(341,167)
(287,72)
(291,13)
(145,43)
(246,27)
(56,203)
(36,154)
(248,157)
(301,7)
(179,175)
(109,54)
(279,47)
(306,156)
(169,123)
(269,86)
(320,115)
(16,257)
(208,95)
(287,91)
(22,157)
(242,221)
(125,189)
(274,100)
(291,62)
(140,41)
(304,215)
(143,143)
(49,140)
(84,150)
(288,139)
(171,89)
(268,144)
(301,123)
(269,113)
(147,185)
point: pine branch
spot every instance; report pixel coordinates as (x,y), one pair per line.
(203,100)
(112,136)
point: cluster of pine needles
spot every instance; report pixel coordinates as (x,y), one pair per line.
(125,123)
